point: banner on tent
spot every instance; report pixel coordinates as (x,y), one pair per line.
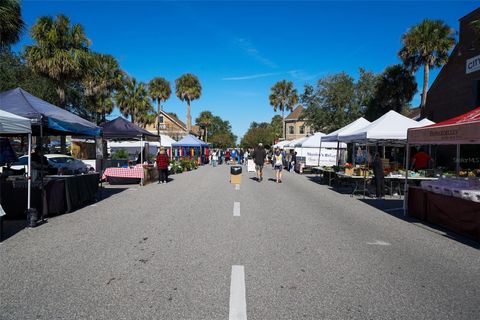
(328,157)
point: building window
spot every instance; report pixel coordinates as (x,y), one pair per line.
(291,130)
(160,119)
(302,130)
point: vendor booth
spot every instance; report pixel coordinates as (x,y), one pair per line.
(192,148)
(123,130)
(390,130)
(11,124)
(281,144)
(55,193)
(452,202)
(317,152)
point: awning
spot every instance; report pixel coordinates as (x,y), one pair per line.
(13,124)
(190,141)
(55,120)
(122,129)
(464,129)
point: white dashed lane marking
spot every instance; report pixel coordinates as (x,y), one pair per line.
(236,209)
(378,243)
(238,302)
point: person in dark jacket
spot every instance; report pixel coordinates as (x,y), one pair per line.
(259,155)
(162,166)
(379,176)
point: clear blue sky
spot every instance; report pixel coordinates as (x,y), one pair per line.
(240,49)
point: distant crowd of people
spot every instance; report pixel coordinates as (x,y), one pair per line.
(278,159)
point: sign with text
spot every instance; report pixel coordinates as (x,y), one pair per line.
(473,64)
(328,157)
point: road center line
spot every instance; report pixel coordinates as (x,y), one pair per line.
(238,303)
(237,187)
(236,209)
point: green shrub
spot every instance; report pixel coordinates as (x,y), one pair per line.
(120,154)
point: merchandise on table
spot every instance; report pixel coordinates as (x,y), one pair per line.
(465,188)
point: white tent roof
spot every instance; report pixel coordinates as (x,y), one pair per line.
(296,143)
(166,142)
(11,123)
(281,144)
(348,129)
(426,122)
(391,126)
(314,142)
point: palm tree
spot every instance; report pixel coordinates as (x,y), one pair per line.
(12,23)
(101,79)
(188,88)
(427,43)
(60,52)
(283,97)
(205,120)
(132,100)
(159,90)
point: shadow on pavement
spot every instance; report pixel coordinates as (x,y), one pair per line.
(106,192)
(394,207)
(12,227)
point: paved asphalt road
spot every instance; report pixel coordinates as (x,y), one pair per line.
(167,251)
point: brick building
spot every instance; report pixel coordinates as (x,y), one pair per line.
(456,89)
(294,127)
(172,126)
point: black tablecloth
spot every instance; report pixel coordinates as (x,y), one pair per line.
(62,194)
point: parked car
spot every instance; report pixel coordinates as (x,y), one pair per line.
(58,161)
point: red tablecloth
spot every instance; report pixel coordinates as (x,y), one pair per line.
(135,172)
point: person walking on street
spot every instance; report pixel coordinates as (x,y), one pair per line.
(258,156)
(293,162)
(162,166)
(278,165)
(379,175)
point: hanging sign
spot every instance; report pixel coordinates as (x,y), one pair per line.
(473,64)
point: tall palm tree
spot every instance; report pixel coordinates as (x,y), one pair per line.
(159,90)
(205,120)
(12,24)
(283,97)
(188,88)
(132,100)
(60,52)
(102,77)
(427,43)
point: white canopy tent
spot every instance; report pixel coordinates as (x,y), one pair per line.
(281,144)
(12,124)
(319,137)
(317,152)
(392,126)
(426,122)
(295,143)
(348,129)
(132,147)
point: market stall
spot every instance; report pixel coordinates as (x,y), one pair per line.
(451,202)
(320,153)
(47,119)
(191,148)
(281,144)
(388,130)
(123,130)
(12,124)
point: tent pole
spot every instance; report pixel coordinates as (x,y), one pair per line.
(457,164)
(141,158)
(338,153)
(366,170)
(29,172)
(319,151)
(405,191)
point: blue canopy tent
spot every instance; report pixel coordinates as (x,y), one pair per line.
(192,147)
(45,116)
